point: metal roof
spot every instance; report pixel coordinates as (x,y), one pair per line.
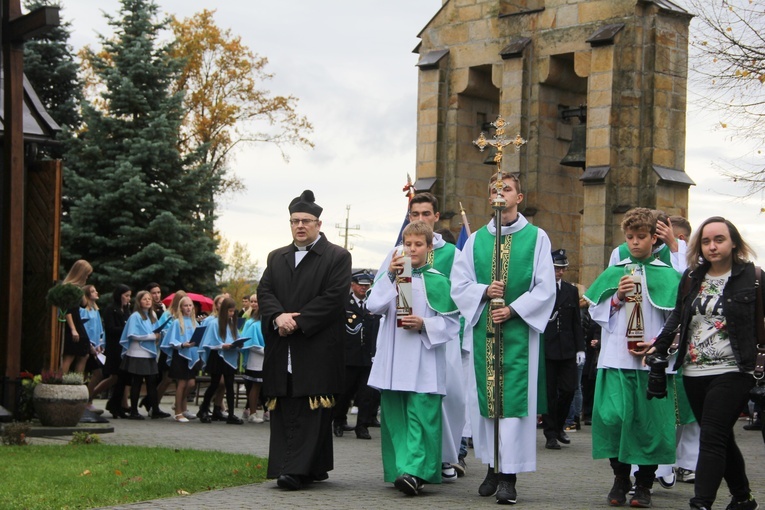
(38,124)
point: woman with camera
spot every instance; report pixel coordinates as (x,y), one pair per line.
(715,318)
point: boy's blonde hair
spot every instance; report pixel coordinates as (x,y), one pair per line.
(419,228)
(639,218)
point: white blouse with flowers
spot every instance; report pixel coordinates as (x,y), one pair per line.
(709,349)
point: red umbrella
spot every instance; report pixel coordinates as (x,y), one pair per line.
(205,303)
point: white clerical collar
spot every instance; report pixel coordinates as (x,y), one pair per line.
(308,247)
(517,225)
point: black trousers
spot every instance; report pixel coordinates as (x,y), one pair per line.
(217,367)
(301,438)
(561,386)
(367,399)
(644,476)
(716,402)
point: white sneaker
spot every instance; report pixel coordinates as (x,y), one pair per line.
(189,415)
(448,473)
(181,419)
(685,475)
(667,481)
(266,416)
(245,414)
(255,418)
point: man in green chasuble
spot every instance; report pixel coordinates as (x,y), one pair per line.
(528,288)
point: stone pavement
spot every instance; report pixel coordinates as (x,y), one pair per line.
(565,479)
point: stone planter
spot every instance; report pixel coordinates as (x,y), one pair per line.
(60,405)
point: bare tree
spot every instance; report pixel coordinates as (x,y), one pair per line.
(728,72)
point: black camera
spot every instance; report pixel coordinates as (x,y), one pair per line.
(757,393)
(657,376)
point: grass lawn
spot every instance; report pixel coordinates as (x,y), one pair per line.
(86,476)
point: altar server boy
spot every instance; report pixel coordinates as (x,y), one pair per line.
(410,364)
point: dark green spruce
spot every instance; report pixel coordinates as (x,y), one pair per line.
(133,199)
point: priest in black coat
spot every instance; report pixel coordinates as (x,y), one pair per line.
(302,302)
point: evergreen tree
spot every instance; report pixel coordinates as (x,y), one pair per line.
(50,66)
(133,199)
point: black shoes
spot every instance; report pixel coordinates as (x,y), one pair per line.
(552,444)
(506,494)
(747,504)
(117,412)
(489,485)
(375,423)
(289,482)
(158,413)
(408,484)
(563,437)
(218,414)
(618,494)
(204,416)
(755,425)
(362,432)
(135,415)
(234,419)
(347,428)
(338,429)
(320,477)
(642,497)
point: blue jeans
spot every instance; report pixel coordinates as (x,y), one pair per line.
(463,448)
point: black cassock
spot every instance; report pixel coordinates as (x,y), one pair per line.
(301,437)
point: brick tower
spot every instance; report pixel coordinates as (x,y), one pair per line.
(534,61)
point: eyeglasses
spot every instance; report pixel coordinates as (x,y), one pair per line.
(302,221)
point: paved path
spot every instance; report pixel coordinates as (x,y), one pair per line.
(565,479)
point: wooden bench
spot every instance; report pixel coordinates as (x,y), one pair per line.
(240,392)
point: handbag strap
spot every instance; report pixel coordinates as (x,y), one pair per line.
(759,364)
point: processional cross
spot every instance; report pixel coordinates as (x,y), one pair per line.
(498,204)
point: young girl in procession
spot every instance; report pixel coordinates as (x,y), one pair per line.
(116,315)
(252,360)
(91,317)
(220,358)
(76,344)
(184,357)
(715,315)
(139,354)
(166,320)
(218,414)
(410,365)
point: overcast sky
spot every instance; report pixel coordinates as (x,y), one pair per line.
(351,65)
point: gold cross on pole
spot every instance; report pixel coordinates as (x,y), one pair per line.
(499,142)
